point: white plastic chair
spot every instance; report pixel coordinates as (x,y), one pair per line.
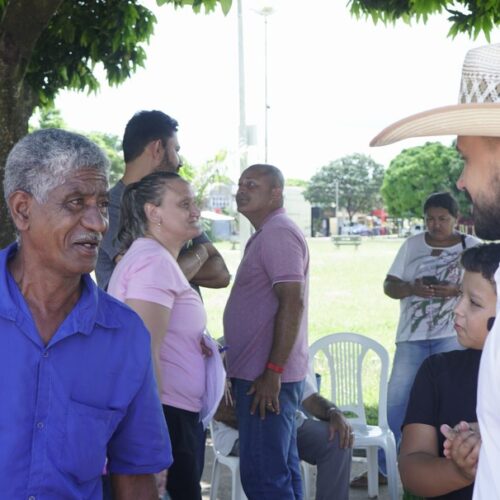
(345,354)
(233,463)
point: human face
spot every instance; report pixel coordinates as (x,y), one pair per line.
(440,223)
(178,214)
(63,233)
(257,196)
(171,161)
(480,179)
(476,305)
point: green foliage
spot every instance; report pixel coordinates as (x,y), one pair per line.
(359,179)
(417,172)
(296,183)
(466,16)
(197,4)
(83,33)
(112,146)
(50,117)
(210,172)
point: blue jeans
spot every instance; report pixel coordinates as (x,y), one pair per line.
(269,460)
(407,360)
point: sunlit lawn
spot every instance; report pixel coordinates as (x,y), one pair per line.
(345,291)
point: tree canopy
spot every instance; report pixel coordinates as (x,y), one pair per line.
(466,16)
(416,173)
(358,178)
(50,45)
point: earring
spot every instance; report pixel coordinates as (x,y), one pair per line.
(158,224)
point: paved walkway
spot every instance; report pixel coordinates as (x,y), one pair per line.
(225,480)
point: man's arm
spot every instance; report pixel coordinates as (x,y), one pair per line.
(134,487)
(322,409)
(267,386)
(204,266)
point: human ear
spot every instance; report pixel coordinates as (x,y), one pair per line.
(277,194)
(20,203)
(152,213)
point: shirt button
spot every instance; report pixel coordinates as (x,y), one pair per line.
(45,354)
(31,498)
(40,426)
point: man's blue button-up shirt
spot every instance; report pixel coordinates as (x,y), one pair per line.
(89,393)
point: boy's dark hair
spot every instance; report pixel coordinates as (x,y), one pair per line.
(442,200)
(144,127)
(482,259)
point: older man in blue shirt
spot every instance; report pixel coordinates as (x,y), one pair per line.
(76,378)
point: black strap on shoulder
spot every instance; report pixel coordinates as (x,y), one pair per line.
(462,237)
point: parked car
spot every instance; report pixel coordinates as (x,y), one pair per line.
(356,228)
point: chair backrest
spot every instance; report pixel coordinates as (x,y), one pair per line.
(345,355)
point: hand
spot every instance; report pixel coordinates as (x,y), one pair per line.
(266,388)
(462,446)
(418,288)
(228,393)
(445,290)
(205,350)
(338,423)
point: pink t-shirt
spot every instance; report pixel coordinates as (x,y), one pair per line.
(149,272)
(276,253)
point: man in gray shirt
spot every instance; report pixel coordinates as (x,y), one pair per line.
(150,144)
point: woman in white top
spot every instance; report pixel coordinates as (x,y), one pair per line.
(425,277)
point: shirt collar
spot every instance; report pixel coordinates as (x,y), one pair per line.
(273,214)
(89,310)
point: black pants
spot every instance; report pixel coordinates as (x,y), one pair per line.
(184,475)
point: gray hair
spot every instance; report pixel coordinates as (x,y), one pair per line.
(42,160)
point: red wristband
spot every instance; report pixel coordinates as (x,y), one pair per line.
(274,368)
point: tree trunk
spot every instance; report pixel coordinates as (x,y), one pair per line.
(21,24)
(15,112)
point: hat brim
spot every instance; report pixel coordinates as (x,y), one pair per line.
(461,119)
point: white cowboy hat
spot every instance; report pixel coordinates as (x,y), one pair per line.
(478,111)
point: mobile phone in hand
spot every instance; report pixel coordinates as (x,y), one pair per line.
(430,280)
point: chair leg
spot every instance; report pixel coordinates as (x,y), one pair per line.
(372,462)
(214,484)
(392,468)
(238,493)
(306,479)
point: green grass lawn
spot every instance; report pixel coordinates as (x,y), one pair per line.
(345,292)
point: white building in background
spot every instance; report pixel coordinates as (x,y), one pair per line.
(222,196)
(298,208)
(219,196)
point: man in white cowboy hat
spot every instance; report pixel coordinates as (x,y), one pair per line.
(476,122)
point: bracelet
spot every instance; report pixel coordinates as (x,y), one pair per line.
(274,368)
(331,410)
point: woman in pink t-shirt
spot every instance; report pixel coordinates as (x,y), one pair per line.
(158,216)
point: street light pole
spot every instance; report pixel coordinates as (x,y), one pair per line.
(265,12)
(244,225)
(265,91)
